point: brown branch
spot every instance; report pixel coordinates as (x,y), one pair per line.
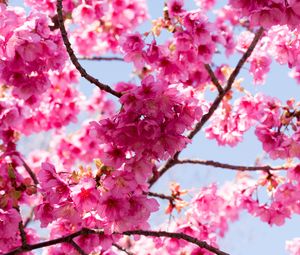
(101,58)
(230,81)
(22,230)
(172,161)
(122,249)
(23,234)
(161,196)
(64,239)
(74,59)
(182,236)
(212,163)
(69,238)
(77,247)
(213,78)
(30,172)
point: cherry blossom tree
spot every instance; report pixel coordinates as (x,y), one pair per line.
(92,188)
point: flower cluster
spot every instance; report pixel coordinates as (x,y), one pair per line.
(28,51)
(57,107)
(269,13)
(150,124)
(180,60)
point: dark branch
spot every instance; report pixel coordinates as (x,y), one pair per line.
(77,248)
(213,78)
(22,234)
(172,161)
(182,236)
(74,59)
(122,249)
(64,239)
(161,196)
(101,58)
(30,172)
(230,82)
(69,239)
(229,166)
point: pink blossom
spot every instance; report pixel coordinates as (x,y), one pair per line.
(175,7)
(293,246)
(44,213)
(56,189)
(9,222)
(85,195)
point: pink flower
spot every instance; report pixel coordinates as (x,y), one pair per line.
(9,222)
(85,195)
(132,46)
(294,173)
(293,246)
(175,7)
(45,213)
(275,214)
(55,188)
(84,13)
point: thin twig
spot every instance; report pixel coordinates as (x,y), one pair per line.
(29,218)
(213,78)
(74,59)
(69,238)
(122,249)
(77,247)
(161,196)
(30,172)
(101,58)
(232,167)
(172,161)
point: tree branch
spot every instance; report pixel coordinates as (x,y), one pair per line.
(182,236)
(30,172)
(22,234)
(64,239)
(230,81)
(161,196)
(77,247)
(74,59)
(101,58)
(122,249)
(213,78)
(69,239)
(229,166)
(172,161)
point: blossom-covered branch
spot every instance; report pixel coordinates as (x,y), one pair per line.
(182,236)
(230,82)
(69,239)
(74,59)
(172,161)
